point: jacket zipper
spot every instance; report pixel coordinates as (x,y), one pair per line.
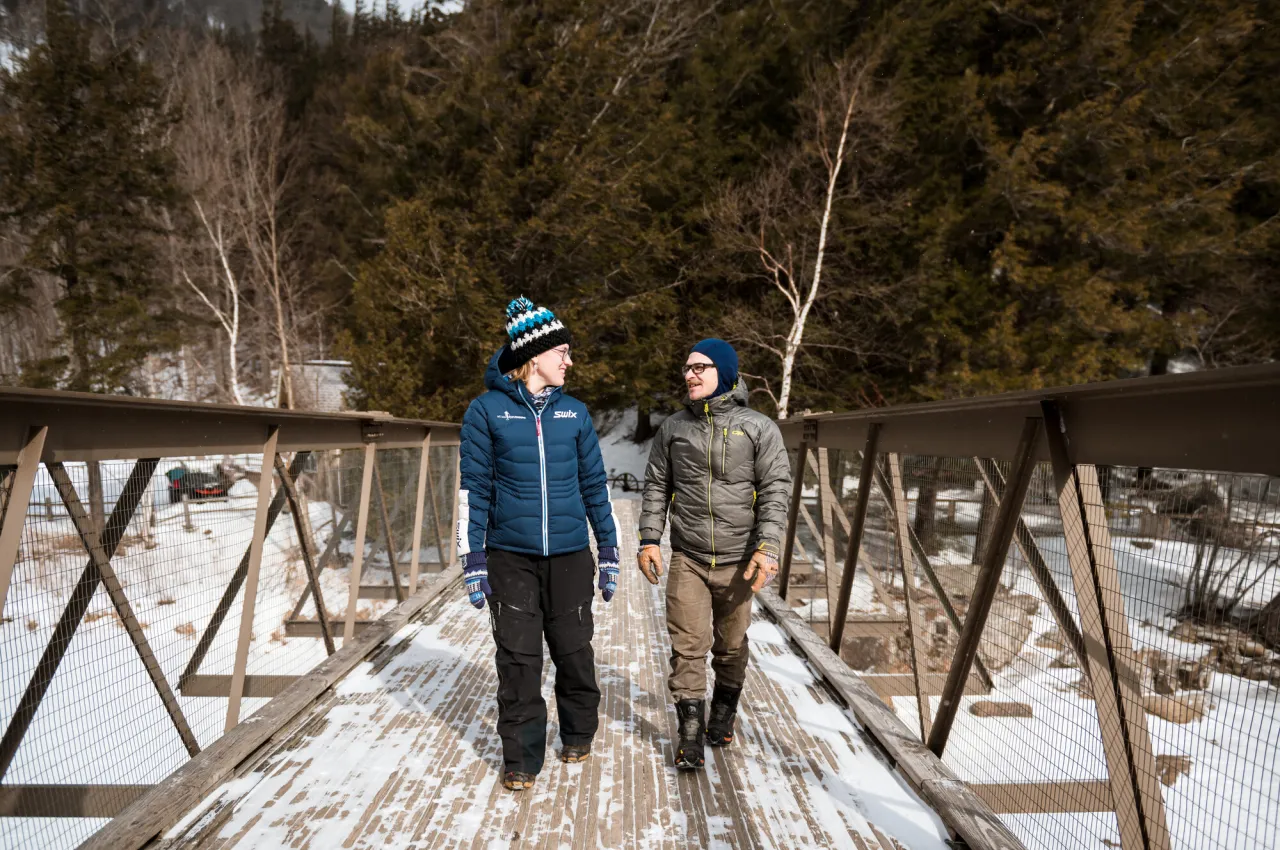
(724,450)
(711,436)
(542,470)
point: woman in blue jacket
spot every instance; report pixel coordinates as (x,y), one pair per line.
(532,477)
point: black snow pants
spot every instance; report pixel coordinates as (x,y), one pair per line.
(533,598)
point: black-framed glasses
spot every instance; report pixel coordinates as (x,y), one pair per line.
(696,368)
(566,354)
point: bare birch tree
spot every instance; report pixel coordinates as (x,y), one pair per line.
(784,218)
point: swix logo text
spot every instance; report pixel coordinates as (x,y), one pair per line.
(566,414)
(508,416)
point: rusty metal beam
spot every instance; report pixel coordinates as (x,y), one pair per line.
(249,604)
(302,525)
(73,614)
(15,506)
(793,514)
(856,526)
(1114,679)
(988,582)
(1224,421)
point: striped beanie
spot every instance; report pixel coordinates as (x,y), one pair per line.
(530,330)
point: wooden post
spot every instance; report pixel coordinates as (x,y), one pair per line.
(827,510)
(857,524)
(988,582)
(91,538)
(302,524)
(922,561)
(15,510)
(77,605)
(424,466)
(915,628)
(793,514)
(1114,678)
(994,490)
(260,527)
(393,551)
(362,525)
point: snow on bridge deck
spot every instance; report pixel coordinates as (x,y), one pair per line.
(403,753)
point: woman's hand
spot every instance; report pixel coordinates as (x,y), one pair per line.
(649,560)
(607,560)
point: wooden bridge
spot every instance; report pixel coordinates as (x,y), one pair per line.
(1003,693)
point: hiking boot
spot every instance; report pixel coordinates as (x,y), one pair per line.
(724,708)
(693,717)
(514,780)
(574,753)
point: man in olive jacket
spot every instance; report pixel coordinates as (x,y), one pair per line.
(721,470)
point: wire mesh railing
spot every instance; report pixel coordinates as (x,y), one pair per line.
(127,641)
(1124,689)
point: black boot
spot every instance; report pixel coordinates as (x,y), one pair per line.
(692,714)
(724,708)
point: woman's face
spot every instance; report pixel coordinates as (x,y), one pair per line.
(700,386)
(552,366)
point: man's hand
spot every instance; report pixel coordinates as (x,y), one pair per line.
(762,567)
(650,562)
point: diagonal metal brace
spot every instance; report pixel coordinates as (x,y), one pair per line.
(73,614)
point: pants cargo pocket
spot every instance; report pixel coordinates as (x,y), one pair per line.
(516,631)
(571,631)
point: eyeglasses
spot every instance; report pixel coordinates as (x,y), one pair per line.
(565,354)
(696,368)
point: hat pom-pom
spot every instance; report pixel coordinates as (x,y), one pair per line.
(518,306)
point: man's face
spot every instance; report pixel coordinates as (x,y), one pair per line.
(552,365)
(700,385)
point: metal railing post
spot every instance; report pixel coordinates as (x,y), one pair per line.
(827,513)
(988,582)
(793,515)
(362,525)
(1113,670)
(453,522)
(265,478)
(857,524)
(424,466)
(15,510)
(915,628)
(302,524)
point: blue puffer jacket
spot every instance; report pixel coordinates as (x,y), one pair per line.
(530,481)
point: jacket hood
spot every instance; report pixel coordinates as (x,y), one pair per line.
(494,379)
(736,397)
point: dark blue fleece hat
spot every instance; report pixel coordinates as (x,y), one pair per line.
(726,360)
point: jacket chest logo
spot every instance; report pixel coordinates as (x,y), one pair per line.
(566,414)
(507,416)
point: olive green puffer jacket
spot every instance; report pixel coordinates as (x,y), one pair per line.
(722,470)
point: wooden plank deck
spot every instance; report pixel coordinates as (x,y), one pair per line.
(403,753)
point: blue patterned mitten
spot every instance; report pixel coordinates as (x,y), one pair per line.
(475,572)
(607,558)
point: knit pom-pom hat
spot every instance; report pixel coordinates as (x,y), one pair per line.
(530,331)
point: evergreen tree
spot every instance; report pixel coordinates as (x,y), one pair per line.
(85,169)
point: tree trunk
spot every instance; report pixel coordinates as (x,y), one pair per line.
(97,506)
(644,425)
(925,523)
(986,518)
(1159,366)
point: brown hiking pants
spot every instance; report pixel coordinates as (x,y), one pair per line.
(707,610)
